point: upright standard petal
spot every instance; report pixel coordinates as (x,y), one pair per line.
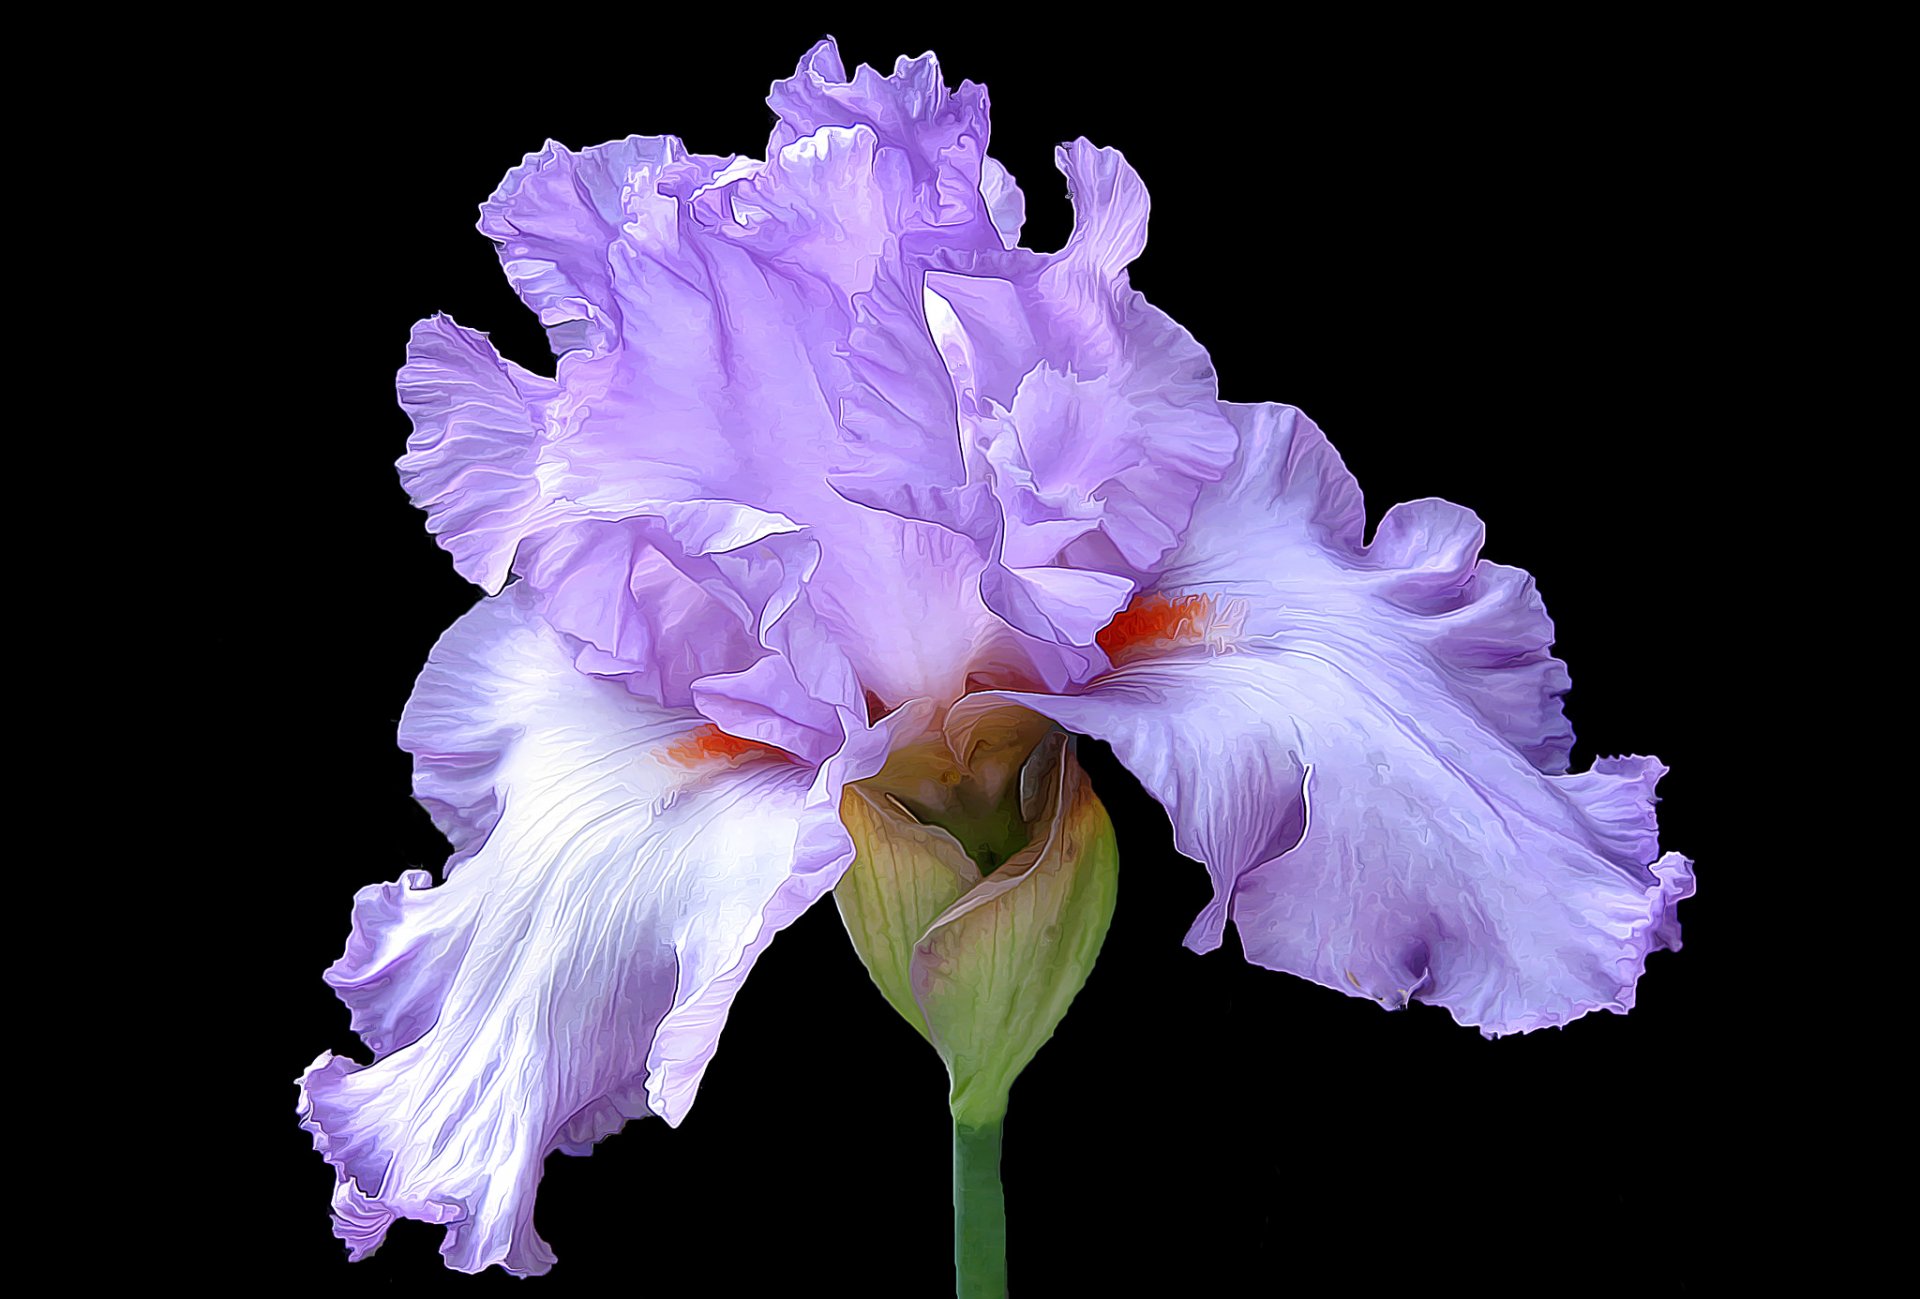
(940,135)
(619,866)
(470,462)
(556,214)
(1090,416)
(1360,743)
(739,336)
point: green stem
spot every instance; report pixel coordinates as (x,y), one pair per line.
(979,1213)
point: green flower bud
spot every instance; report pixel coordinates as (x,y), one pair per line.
(983,966)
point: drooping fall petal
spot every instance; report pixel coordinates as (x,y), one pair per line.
(618,868)
(1361,741)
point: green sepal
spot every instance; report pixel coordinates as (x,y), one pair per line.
(984,968)
(904,874)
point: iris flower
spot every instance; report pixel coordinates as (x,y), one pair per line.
(842,511)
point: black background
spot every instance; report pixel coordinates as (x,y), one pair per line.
(1487,270)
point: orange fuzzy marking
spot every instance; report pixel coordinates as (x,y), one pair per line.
(710,742)
(1156,622)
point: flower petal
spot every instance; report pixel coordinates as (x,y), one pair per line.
(620,866)
(1005,203)
(640,619)
(1281,539)
(1092,417)
(896,410)
(632,578)
(555,215)
(1367,772)
(1100,452)
(940,135)
(469,463)
(1065,605)
(752,336)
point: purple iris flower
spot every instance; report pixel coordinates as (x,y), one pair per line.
(833,470)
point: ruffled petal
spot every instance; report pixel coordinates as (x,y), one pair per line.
(1280,540)
(1092,417)
(1006,205)
(901,603)
(1367,831)
(897,412)
(702,309)
(477,420)
(1452,870)
(1122,408)
(620,866)
(1068,606)
(639,582)
(753,336)
(940,135)
(1097,454)
(637,616)
(1362,742)
(556,214)
(769,703)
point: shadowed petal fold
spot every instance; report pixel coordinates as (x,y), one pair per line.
(618,868)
